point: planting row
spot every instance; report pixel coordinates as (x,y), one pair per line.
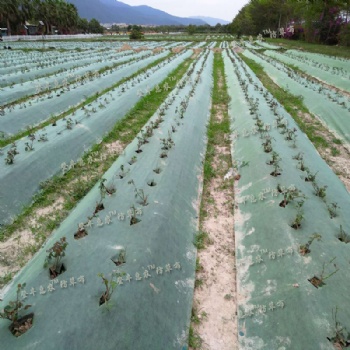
(331,107)
(140,220)
(333,75)
(63,143)
(39,108)
(291,226)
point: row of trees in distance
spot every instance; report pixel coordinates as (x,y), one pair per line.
(318,21)
(14,14)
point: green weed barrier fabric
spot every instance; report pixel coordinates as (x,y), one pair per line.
(335,116)
(29,88)
(40,109)
(336,65)
(21,180)
(267,45)
(50,63)
(154,311)
(278,307)
(340,81)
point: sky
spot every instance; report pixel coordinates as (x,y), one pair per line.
(222,9)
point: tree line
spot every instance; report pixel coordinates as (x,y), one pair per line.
(46,14)
(318,21)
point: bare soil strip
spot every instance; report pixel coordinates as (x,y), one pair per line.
(214,323)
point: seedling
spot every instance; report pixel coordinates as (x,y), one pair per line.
(29,145)
(289,195)
(122,172)
(276,169)
(296,224)
(319,281)
(343,236)
(110,285)
(157,170)
(43,138)
(275,158)
(139,193)
(69,123)
(298,156)
(267,145)
(11,312)
(139,144)
(319,191)
(332,209)
(133,219)
(81,232)
(310,176)
(133,160)
(301,165)
(305,248)
(120,258)
(11,153)
(341,339)
(54,257)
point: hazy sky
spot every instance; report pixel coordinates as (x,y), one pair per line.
(223,9)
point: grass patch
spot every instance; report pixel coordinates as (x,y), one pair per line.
(339,51)
(194,340)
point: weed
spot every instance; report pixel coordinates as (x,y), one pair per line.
(200,240)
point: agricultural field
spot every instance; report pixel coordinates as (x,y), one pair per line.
(173,194)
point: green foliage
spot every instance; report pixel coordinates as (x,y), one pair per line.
(136,33)
(200,240)
(11,310)
(56,253)
(110,285)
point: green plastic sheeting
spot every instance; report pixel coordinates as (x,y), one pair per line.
(267,45)
(39,110)
(327,62)
(278,307)
(29,88)
(154,312)
(332,114)
(21,180)
(341,81)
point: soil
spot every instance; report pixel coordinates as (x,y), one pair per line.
(56,272)
(81,233)
(134,220)
(315,281)
(22,325)
(103,298)
(215,300)
(99,207)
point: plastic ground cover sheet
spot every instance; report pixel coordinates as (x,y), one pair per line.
(20,181)
(278,307)
(29,88)
(335,116)
(152,310)
(48,63)
(37,110)
(340,81)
